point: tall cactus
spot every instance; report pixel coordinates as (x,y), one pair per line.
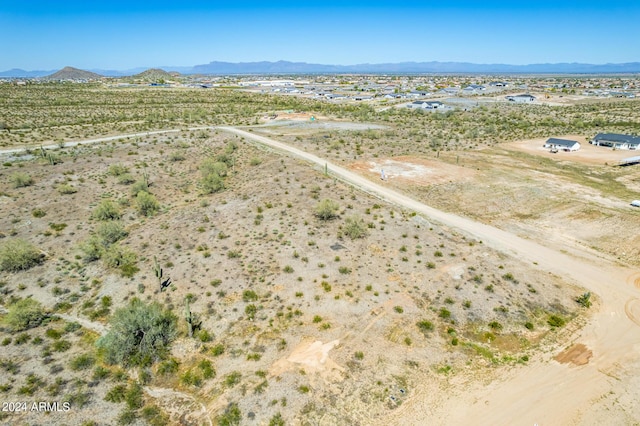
(193,321)
(158,271)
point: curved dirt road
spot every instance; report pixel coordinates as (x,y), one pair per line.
(604,391)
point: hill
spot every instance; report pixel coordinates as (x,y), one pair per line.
(70,73)
(156,75)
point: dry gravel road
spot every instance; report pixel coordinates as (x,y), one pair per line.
(604,391)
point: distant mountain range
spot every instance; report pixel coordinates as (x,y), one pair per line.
(286,67)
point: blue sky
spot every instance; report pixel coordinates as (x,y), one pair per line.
(121,34)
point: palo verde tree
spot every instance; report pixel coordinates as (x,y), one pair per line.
(140,334)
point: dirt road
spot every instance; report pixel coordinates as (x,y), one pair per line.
(546,392)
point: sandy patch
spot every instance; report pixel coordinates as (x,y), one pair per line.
(414,170)
(313,357)
(577,354)
(587,154)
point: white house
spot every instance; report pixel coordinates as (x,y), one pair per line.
(521,99)
(426,104)
(616,141)
(562,144)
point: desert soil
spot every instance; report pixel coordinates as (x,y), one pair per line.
(546,392)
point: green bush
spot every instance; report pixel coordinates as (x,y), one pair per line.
(140,186)
(231,416)
(327,209)
(18,255)
(24,314)
(355,227)
(146,204)
(425,326)
(116,394)
(584,300)
(212,183)
(126,179)
(66,189)
(140,334)
(111,232)
(169,366)
(117,170)
(276,420)
(122,258)
(555,321)
(106,210)
(21,180)
(82,362)
(38,212)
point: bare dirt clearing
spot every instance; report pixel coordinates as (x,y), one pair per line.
(413,170)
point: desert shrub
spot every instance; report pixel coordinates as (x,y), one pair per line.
(82,362)
(140,334)
(139,186)
(232,379)
(106,210)
(92,249)
(209,166)
(355,227)
(21,180)
(495,325)
(276,420)
(584,300)
(111,232)
(133,396)
(117,170)
(249,296)
(555,321)
(231,416)
(116,394)
(66,189)
(212,183)
(444,313)
(24,314)
(250,311)
(146,204)
(19,255)
(38,212)
(126,179)
(169,366)
(327,209)
(176,156)
(204,336)
(117,256)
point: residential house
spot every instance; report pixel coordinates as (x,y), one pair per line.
(562,144)
(521,99)
(616,141)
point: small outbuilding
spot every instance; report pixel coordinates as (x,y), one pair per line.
(562,144)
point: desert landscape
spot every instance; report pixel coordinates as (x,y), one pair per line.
(184,256)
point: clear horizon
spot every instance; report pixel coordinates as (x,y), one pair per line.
(118,35)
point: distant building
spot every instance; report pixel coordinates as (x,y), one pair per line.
(426,104)
(499,84)
(616,141)
(473,88)
(521,99)
(562,144)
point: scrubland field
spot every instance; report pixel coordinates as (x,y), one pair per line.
(199,277)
